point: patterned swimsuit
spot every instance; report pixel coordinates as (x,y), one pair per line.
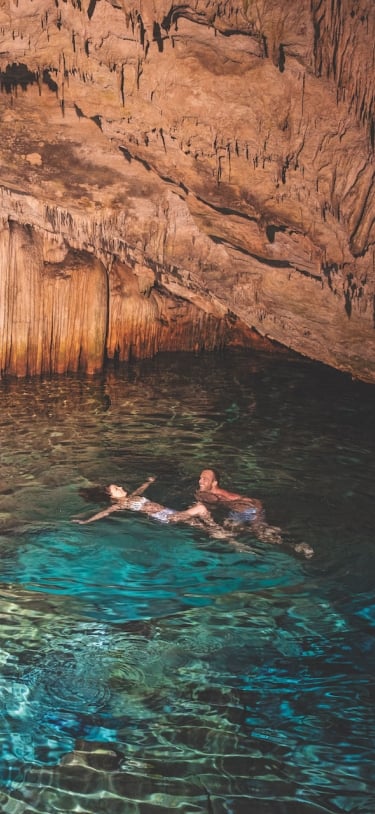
(244,516)
(136,504)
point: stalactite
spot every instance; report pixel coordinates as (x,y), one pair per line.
(344,51)
(74,314)
(122,85)
(55,314)
(52,316)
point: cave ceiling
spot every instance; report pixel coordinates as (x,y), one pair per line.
(184,168)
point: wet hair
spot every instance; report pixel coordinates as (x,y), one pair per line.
(94,494)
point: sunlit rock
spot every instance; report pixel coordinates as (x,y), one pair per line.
(186,177)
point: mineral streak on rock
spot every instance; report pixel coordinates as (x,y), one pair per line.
(182,177)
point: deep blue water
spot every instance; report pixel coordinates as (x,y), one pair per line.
(151,668)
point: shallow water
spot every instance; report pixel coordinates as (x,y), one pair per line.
(151,668)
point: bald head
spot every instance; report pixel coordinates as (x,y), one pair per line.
(208,480)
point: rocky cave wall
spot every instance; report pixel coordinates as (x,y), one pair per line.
(186,177)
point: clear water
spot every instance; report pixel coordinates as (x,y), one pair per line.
(147,668)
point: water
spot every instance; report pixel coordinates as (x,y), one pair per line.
(150,668)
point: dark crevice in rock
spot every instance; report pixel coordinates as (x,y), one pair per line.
(360,250)
(91,8)
(225,210)
(265,261)
(328,269)
(47,79)
(98,121)
(307,274)
(157,36)
(17,75)
(281,60)
(128,155)
(271,231)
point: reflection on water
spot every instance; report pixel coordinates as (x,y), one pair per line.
(151,668)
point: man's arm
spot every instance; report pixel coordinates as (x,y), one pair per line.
(197,510)
(206,497)
(229,499)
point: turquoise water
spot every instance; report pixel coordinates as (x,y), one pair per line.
(152,668)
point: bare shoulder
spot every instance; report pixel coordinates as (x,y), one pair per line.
(242,503)
(234,497)
(224,494)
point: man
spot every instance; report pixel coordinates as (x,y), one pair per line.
(211,492)
(243,510)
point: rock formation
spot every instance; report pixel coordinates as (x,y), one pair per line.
(184,177)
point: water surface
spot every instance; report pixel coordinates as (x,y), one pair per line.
(148,668)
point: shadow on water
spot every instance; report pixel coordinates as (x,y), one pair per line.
(151,668)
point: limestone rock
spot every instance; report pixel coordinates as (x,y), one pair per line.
(186,177)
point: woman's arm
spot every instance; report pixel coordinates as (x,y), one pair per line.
(143,487)
(115,508)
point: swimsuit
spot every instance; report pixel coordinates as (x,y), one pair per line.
(163,516)
(244,516)
(136,503)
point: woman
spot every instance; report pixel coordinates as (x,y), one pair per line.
(196,515)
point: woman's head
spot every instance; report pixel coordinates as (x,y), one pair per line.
(116,492)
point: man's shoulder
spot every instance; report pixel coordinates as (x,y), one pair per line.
(240,501)
(226,495)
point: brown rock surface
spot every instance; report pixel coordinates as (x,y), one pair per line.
(178,177)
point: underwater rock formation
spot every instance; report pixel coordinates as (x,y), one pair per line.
(182,177)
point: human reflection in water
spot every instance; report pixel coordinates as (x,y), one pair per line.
(243,511)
